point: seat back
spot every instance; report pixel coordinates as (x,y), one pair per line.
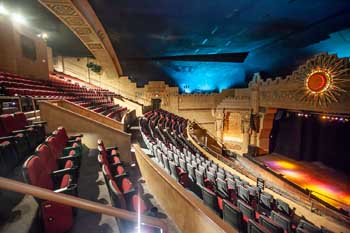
(210,200)
(20,119)
(173,170)
(222,187)
(35,173)
(199,178)
(246,209)
(270,225)
(254,227)
(47,158)
(283,207)
(117,197)
(8,123)
(282,221)
(266,200)
(191,171)
(166,163)
(233,216)
(136,204)
(307,227)
(243,193)
(54,146)
(231,184)
(183,164)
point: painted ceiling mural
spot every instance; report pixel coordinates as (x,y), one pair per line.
(277,35)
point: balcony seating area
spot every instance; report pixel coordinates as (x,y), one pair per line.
(60,87)
(55,166)
(17,140)
(245,207)
(125,192)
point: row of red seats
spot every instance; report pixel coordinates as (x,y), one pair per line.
(13,84)
(124,193)
(55,166)
(17,139)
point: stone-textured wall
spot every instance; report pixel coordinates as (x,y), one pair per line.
(11,56)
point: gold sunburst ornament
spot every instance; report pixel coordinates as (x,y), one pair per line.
(322,79)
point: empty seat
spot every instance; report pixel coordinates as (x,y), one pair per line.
(56,218)
(39,127)
(62,156)
(247,211)
(49,160)
(109,151)
(305,226)
(210,200)
(221,187)
(233,216)
(265,205)
(283,207)
(270,224)
(282,221)
(117,196)
(72,142)
(254,227)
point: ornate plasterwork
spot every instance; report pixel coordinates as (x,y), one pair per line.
(92,36)
(291,92)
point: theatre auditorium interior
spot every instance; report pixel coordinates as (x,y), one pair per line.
(170,116)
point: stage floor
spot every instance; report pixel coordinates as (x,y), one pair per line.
(326,183)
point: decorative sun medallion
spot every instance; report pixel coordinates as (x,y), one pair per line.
(322,79)
(318,81)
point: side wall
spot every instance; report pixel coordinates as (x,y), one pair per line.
(11,56)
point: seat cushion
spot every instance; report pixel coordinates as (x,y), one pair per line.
(137,204)
(65,182)
(126,185)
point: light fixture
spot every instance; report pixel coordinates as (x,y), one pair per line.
(44,35)
(3,10)
(18,18)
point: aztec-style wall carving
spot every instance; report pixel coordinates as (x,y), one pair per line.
(81,19)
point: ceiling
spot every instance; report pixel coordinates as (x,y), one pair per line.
(278,35)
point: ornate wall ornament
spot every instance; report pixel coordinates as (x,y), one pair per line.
(94,46)
(322,79)
(63,9)
(82,30)
(74,21)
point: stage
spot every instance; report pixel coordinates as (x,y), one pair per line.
(325,183)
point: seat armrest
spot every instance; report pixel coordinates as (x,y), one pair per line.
(130,193)
(62,172)
(113,166)
(111,148)
(66,151)
(39,123)
(75,159)
(70,190)
(73,137)
(20,131)
(117,177)
(7,138)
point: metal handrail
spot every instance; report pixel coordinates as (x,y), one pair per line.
(80,203)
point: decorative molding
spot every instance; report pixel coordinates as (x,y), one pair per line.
(89,30)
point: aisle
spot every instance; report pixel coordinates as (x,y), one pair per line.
(92,187)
